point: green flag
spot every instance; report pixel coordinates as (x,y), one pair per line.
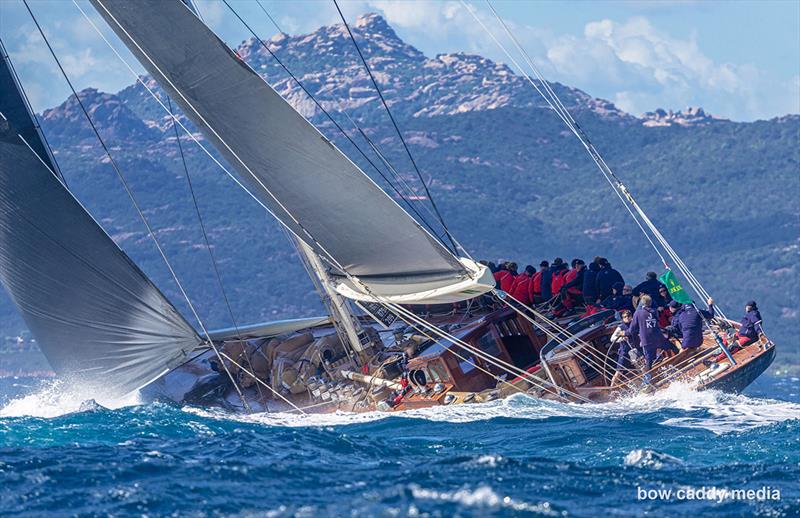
(676,291)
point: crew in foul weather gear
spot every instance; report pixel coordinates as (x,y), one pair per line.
(558,271)
(606,278)
(750,324)
(626,344)
(521,290)
(573,283)
(536,283)
(547,282)
(589,288)
(645,326)
(503,278)
(651,286)
(618,301)
(687,323)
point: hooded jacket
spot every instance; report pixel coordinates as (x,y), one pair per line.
(688,324)
(645,326)
(651,287)
(749,329)
(606,278)
(589,288)
(547,282)
(573,281)
(521,289)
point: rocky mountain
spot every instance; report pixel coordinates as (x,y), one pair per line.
(509,178)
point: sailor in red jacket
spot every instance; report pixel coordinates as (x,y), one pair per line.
(536,283)
(573,284)
(521,289)
(505,276)
(559,270)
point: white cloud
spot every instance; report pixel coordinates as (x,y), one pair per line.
(641,68)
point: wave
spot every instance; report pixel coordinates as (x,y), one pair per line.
(54,398)
(711,410)
(715,411)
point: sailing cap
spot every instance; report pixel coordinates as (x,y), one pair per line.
(751,303)
(675,304)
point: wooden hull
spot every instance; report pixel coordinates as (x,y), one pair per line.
(738,379)
(456,382)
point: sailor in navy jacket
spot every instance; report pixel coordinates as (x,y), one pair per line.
(687,323)
(751,318)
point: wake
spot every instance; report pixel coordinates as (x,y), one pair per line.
(718,412)
(711,410)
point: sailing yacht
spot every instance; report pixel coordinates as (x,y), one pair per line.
(411,322)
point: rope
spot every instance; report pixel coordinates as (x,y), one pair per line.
(328,257)
(507,367)
(135,203)
(205,238)
(309,237)
(396,128)
(555,103)
(594,363)
(327,114)
(37,126)
(270,17)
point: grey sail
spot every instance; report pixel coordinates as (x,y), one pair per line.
(16,110)
(305,181)
(96,317)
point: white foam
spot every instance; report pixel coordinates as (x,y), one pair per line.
(482,496)
(716,411)
(645,458)
(723,412)
(53,399)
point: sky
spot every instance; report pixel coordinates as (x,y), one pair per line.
(737,59)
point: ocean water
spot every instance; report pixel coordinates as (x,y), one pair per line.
(506,458)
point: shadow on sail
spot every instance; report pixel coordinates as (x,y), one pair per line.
(97,318)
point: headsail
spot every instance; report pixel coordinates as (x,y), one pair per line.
(320,195)
(96,317)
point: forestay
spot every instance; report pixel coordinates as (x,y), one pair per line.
(305,181)
(95,315)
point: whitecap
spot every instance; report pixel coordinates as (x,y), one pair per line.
(482,496)
(646,458)
(55,399)
(722,412)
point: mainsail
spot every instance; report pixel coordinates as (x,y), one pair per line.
(306,182)
(96,317)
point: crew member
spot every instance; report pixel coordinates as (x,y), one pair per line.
(536,283)
(687,323)
(589,288)
(521,289)
(619,301)
(559,270)
(547,282)
(651,285)
(606,278)
(751,324)
(503,278)
(573,284)
(645,326)
(626,344)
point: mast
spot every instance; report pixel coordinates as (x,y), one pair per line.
(347,325)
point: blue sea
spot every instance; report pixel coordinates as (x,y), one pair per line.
(506,458)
